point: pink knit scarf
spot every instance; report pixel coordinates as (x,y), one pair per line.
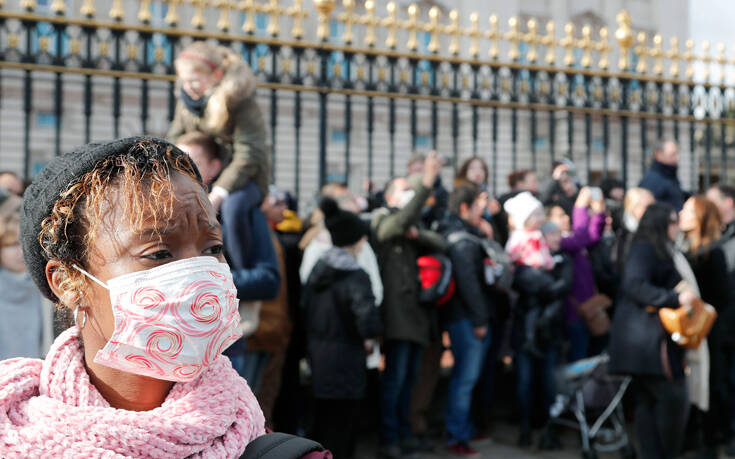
(50,409)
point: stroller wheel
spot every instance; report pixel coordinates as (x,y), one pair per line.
(589,454)
(628,452)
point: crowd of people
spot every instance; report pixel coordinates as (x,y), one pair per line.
(365,292)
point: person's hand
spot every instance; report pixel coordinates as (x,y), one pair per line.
(560,171)
(686,298)
(216,200)
(487,229)
(584,198)
(432,167)
(412,233)
(480,332)
(598,207)
(494,207)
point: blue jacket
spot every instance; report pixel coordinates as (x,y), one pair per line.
(662,181)
(249,248)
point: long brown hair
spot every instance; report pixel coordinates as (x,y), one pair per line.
(709,224)
(462,171)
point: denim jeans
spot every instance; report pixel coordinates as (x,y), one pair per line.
(469,357)
(525,368)
(402,360)
(578,337)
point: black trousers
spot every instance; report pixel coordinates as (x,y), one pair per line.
(336,424)
(662,410)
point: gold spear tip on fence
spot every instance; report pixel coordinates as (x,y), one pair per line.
(624,34)
(324,7)
(58,7)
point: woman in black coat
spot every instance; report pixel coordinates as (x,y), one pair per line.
(701,223)
(639,344)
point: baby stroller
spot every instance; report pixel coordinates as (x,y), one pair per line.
(586,390)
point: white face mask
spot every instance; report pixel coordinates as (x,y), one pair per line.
(171,321)
(405,197)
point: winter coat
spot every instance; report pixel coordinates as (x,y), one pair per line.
(472,299)
(541,289)
(22,326)
(726,318)
(242,129)
(663,182)
(403,317)
(637,336)
(340,315)
(274,326)
(710,269)
(586,232)
(254,269)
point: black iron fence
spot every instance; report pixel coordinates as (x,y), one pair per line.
(477,81)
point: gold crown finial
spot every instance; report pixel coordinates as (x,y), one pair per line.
(673,55)
(224,6)
(689,58)
(58,7)
(624,36)
(391,23)
(88,10)
(587,45)
(706,59)
(454,31)
(494,36)
(117,12)
(324,8)
(371,21)
(144,13)
(568,43)
(657,53)
(514,37)
(642,52)
(474,33)
(532,39)
(172,15)
(433,28)
(603,46)
(297,12)
(412,25)
(197,19)
(274,11)
(349,18)
(28,5)
(722,60)
(549,40)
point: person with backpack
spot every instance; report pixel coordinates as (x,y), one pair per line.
(341,318)
(398,240)
(467,315)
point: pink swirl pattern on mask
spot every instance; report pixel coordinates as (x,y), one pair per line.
(144,363)
(205,308)
(188,372)
(164,345)
(217,275)
(149,304)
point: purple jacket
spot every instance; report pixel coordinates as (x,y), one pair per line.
(587,232)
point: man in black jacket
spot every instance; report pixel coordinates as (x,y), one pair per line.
(467,316)
(661,179)
(724,198)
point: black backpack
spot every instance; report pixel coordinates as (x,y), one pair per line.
(284,446)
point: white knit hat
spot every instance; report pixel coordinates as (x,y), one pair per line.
(521,207)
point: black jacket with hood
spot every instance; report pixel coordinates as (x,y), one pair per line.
(340,315)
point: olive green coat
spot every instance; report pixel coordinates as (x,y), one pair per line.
(404,318)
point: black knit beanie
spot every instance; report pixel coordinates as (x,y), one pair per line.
(345,227)
(54,179)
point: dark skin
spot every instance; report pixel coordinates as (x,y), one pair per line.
(118,249)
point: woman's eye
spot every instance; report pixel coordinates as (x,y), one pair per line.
(215,250)
(160,255)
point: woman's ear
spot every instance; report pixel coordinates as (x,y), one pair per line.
(56,274)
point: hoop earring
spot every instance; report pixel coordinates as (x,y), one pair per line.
(84,317)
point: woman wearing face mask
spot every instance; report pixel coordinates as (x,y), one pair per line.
(639,345)
(700,222)
(122,235)
(217,96)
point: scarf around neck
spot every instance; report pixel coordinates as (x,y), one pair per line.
(196,107)
(51,409)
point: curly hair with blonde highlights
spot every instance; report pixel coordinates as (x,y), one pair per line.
(139,179)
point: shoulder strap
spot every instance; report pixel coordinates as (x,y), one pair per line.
(458,236)
(280,446)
